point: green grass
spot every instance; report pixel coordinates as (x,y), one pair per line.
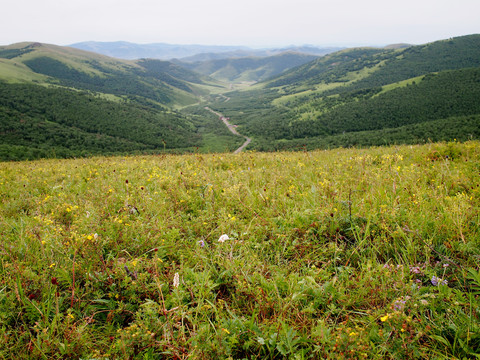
(340,254)
(400,84)
(14,72)
(348,79)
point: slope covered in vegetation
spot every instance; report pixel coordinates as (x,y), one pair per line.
(251,69)
(355,91)
(62,102)
(340,254)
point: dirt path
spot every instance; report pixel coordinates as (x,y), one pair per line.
(232,129)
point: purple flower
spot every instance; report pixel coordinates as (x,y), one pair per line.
(438,281)
(201,243)
(399,305)
(415,269)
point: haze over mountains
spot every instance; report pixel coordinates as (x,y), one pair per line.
(189,53)
(61,102)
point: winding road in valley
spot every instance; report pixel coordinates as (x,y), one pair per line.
(232,129)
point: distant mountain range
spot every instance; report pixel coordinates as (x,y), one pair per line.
(189,53)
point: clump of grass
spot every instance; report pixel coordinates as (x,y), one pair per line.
(348,253)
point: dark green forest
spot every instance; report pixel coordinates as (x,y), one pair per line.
(60,122)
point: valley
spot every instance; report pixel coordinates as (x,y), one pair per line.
(282,101)
(232,129)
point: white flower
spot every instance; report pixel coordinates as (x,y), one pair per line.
(176,280)
(223,238)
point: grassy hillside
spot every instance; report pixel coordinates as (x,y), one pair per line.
(248,68)
(389,65)
(334,254)
(363,94)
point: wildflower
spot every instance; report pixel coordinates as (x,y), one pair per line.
(384,318)
(415,269)
(423,302)
(223,238)
(399,305)
(201,243)
(176,280)
(438,281)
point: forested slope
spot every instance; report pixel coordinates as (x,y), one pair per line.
(367,97)
(61,122)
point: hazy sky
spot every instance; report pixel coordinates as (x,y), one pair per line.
(240,22)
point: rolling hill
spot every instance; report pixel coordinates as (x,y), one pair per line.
(60,101)
(249,69)
(363,96)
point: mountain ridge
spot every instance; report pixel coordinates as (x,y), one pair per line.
(189,53)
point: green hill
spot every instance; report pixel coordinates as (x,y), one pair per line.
(353,92)
(248,68)
(58,101)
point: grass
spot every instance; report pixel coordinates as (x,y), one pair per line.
(14,72)
(340,254)
(400,84)
(348,79)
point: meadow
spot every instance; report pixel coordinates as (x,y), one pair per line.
(338,254)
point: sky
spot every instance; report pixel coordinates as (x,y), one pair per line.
(254,23)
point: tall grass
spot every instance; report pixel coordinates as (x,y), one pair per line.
(348,253)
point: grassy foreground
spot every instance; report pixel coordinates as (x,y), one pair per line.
(335,254)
